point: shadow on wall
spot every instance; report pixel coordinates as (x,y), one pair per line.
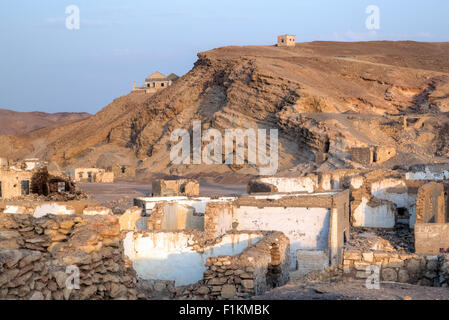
(168,256)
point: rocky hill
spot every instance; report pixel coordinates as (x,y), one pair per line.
(15,123)
(322,96)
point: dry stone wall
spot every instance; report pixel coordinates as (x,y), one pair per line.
(398,267)
(39,255)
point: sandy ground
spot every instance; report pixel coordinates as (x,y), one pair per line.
(127,190)
(353,290)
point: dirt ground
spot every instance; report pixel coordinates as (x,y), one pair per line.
(353,290)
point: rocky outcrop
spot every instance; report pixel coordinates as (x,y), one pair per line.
(364,85)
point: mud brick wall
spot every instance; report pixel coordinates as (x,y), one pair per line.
(397,267)
(35,254)
(431,237)
(254,271)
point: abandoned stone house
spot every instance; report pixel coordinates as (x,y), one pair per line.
(370,155)
(96,175)
(379,198)
(14,183)
(28,164)
(123,171)
(175,187)
(236,247)
(286,40)
(312,224)
(156,82)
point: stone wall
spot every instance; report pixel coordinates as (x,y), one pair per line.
(91,175)
(42,208)
(158,255)
(186,187)
(286,41)
(431,203)
(383,154)
(396,267)
(363,156)
(431,237)
(123,171)
(10,183)
(257,269)
(310,260)
(38,256)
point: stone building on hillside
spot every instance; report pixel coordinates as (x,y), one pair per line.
(90,175)
(156,82)
(286,40)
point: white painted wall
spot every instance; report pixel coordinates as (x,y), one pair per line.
(40,210)
(374,217)
(181,217)
(199,203)
(310,260)
(428,175)
(15,209)
(167,255)
(52,208)
(300,184)
(307,228)
(401,200)
(357,182)
(103,211)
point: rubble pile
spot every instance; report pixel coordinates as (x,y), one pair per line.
(400,239)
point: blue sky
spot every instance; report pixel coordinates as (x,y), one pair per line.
(47,67)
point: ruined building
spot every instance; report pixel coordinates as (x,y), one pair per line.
(178,187)
(370,155)
(14,183)
(90,175)
(286,40)
(156,82)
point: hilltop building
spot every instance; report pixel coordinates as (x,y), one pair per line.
(286,40)
(156,82)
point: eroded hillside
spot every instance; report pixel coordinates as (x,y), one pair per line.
(322,96)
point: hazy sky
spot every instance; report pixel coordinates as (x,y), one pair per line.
(47,67)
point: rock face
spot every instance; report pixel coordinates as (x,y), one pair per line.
(323,97)
(63,257)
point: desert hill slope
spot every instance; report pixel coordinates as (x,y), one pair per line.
(322,96)
(15,123)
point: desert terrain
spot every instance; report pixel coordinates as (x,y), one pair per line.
(321,96)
